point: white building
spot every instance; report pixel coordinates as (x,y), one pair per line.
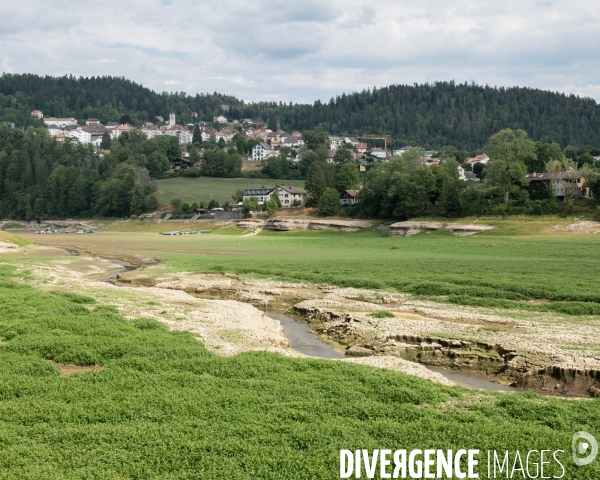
(262,194)
(116,132)
(220,119)
(81,135)
(335,142)
(261,151)
(288,195)
(379,153)
(184,135)
(37,113)
(60,122)
(151,130)
(400,151)
(461,174)
(483,159)
(172,122)
(54,130)
(92,122)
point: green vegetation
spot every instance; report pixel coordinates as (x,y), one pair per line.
(431,115)
(10,238)
(199,189)
(488,271)
(162,406)
(382,314)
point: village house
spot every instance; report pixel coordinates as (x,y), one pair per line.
(261,194)
(116,132)
(560,184)
(399,152)
(183,134)
(379,153)
(431,161)
(331,155)
(219,119)
(81,135)
(361,147)
(292,142)
(348,198)
(92,121)
(54,130)
(288,195)
(335,142)
(60,122)
(179,163)
(483,159)
(151,130)
(262,151)
(37,113)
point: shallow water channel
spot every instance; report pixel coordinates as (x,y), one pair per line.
(304,341)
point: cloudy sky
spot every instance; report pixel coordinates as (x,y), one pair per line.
(308,49)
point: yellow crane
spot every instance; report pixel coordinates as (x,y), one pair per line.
(385,139)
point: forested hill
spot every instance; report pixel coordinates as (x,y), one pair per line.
(430,115)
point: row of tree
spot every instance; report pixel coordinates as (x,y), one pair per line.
(431,115)
(41,177)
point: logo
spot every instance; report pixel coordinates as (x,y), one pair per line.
(585,448)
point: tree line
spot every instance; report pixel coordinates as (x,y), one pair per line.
(43,178)
(430,115)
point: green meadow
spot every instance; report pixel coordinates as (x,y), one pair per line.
(200,189)
(499,269)
(163,407)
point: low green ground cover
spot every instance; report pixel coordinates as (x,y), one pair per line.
(164,407)
(199,189)
(487,271)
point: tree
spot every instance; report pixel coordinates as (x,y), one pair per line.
(329,204)
(221,143)
(106,141)
(241,144)
(185,207)
(545,153)
(479,170)
(347,178)
(320,176)
(342,156)
(238,195)
(508,150)
(272,206)
(250,205)
(308,158)
(272,124)
(197,135)
(125,118)
(194,206)
(176,204)
(213,204)
(315,139)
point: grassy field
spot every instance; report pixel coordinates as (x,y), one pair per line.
(200,189)
(10,238)
(163,407)
(493,270)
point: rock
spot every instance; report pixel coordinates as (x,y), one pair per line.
(407,229)
(359,352)
(287,224)
(251,223)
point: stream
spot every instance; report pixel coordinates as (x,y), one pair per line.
(304,341)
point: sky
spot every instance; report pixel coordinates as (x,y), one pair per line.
(308,49)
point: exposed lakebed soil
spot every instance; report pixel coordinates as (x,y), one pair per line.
(549,354)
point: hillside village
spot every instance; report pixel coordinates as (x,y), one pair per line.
(261,143)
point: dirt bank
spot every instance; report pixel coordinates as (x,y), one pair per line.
(525,349)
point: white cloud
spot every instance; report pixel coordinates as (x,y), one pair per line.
(300,51)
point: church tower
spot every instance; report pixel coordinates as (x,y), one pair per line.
(172,119)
